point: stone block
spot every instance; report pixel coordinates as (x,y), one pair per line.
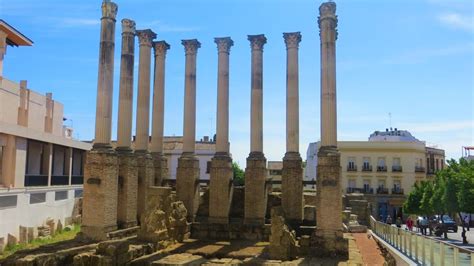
(220,189)
(282,240)
(292,187)
(23,234)
(32,233)
(59,227)
(52,226)
(112,248)
(180,259)
(187,183)
(255,189)
(100,194)
(127,190)
(11,240)
(146,176)
(43,231)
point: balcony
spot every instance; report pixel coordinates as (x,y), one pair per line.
(397,190)
(381,168)
(382,190)
(351,168)
(419,169)
(396,168)
(430,171)
(367,168)
(360,190)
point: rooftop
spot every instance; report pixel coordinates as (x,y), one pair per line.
(14,37)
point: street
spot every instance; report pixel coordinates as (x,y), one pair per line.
(454,238)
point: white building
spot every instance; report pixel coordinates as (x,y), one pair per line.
(41,166)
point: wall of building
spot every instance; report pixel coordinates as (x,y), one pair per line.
(24,213)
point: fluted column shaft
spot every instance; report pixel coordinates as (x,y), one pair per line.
(156,145)
(256,108)
(124,128)
(143,107)
(189,127)
(223,48)
(328,35)
(103,121)
(292,41)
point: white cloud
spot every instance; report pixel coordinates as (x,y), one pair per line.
(457,21)
(438,127)
(78,22)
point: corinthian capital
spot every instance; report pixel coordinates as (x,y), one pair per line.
(128,26)
(224,44)
(327,11)
(160,48)
(191,46)
(109,9)
(292,39)
(145,37)
(257,41)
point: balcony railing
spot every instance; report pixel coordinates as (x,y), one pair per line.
(419,169)
(382,190)
(396,168)
(351,168)
(360,190)
(430,171)
(36,180)
(397,190)
(381,168)
(367,168)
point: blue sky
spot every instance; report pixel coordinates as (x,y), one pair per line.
(413,59)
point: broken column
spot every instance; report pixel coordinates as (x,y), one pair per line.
(256,170)
(292,174)
(156,145)
(101,166)
(128,171)
(144,159)
(187,176)
(328,238)
(220,195)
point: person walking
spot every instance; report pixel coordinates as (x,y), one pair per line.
(466,222)
(398,222)
(389,220)
(409,224)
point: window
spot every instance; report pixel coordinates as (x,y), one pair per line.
(208,167)
(381,162)
(381,183)
(8,201)
(78,193)
(397,184)
(437,164)
(366,163)
(352,183)
(60,195)
(366,184)
(37,198)
(351,165)
(396,161)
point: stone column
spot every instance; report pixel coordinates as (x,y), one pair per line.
(101,165)
(144,159)
(105,83)
(128,170)
(187,176)
(292,174)
(256,170)
(328,239)
(156,145)
(221,188)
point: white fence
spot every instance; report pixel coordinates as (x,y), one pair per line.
(422,249)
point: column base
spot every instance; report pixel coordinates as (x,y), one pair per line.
(187,183)
(220,189)
(145,179)
(292,187)
(329,244)
(329,195)
(255,189)
(160,163)
(100,194)
(127,189)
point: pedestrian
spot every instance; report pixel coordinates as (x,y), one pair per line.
(466,222)
(398,222)
(389,220)
(418,228)
(424,225)
(409,224)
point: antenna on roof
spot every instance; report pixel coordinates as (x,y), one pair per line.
(390,120)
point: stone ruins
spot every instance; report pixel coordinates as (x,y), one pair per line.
(124,197)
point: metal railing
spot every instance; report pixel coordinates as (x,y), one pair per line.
(397,190)
(421,249)
(367,168)
(382,190)
(352,168)
(360,190)
(381,168)
(419,169)
(397,168)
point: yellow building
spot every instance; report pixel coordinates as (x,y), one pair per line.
(383,169)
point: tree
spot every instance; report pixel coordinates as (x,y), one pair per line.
(239,174)
(425,204)
(436,201)
(412,204)
(463,173)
